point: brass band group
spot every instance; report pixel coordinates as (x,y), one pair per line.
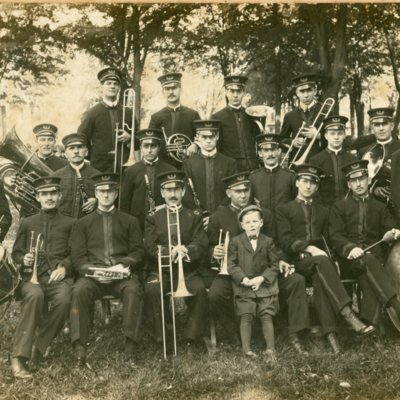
(235,219)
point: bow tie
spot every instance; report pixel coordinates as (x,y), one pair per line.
(253,237)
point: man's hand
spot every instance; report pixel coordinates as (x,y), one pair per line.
(58,274)
(123,136)
(176,251)
(246,281)
(256,282)
(285,268)
(29,259)
(90,205)
(357,252)
(192,149)
(309,132)
(391,235)
(219,252)
(315,251)
(299,142)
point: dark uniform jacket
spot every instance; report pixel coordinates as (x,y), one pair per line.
(105,239)
(395,183)
(358,223)
(54,162)
(300,225)
(98,125)
(134,192)
(389,148)
(193,235)
(5,214)
(174,121)
(237,137)
(243,262)
(73,189)
(206,174)
(56,229)
(333,185)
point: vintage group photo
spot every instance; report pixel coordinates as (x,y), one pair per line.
(199,201)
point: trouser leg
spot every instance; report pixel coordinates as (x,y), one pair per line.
(152,295)
(246,321)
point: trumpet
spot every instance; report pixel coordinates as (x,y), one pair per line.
(224,262)
(317,123)
(165,262)
(101,272)
(36,250)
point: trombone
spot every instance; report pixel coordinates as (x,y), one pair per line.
(165,262)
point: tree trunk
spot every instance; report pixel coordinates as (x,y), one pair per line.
(277,21)
(351,115)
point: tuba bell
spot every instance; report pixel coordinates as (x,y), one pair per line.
(264,117)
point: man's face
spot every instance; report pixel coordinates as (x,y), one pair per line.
(252,223)
(48,199)
(76,153)
(110,88)
(173,196)
(235,94)
(306,187)
(239,195)
(172,93)
(335,138)
(45,145)
(207,141)
(270,155)
(106,196)
(359,185)
(306,93)
(382,130)
(150,150)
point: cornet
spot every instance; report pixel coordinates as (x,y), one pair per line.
(224,261)
(35,250)
(105,273)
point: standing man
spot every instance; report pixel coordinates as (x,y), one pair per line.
(349,238)
(140,190)
(99,123)
(302,225)
(238,130)
(333,185)
(46,272)
(194,244)
(111,240)
(45,142)
(174,118)
(77,186)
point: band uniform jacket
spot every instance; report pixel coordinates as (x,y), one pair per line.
(193,236)
(105,239)
(292,122)
(54,162)
(57,231)
(237,137)
(243,262)
(98,124)
(395,184)
(73,189)
(5,214)
(134,191)
(172,121)
(359,223)
(300,225)
(206,174)
(333,185)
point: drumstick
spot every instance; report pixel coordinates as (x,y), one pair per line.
(373,245)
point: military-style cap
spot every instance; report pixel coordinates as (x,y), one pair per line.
(47,184)
(110,179)
(207,126)
(74,139)
(242,178)
(149,135)
(109,74)
(355,169)
(335,122)
(250,209)
(45,130)
(171,179)
(381,114)
(304,79)
(236,80)
(311,171)
(267,140)
(172,77)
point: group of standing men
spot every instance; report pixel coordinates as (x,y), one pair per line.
(230,165)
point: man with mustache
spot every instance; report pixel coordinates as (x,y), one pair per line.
(174,118)
(54,273)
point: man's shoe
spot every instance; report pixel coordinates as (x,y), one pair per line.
(250,354)
(37,357)
(80,352)
(356,324)
(294,341)
(19,370)
(332,340)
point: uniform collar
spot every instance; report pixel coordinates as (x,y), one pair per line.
(179,207)
(306,202)
(362,199)
(176,108)
(235,209)
(272,169)
(78,167)
(305,108)
(208,154)
(235,108)
(109,212)
(145,162)
(331,151)
(45,158)
(49,213)
(110,104)
(385,142)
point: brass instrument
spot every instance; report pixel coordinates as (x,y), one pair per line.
(317,123)
(181,290)
(177,145)
(36,250)
(224,261)
(150,197)
(82,189)
(105,273)
(264,117)
(196,199)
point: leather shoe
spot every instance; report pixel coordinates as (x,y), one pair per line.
(250,354)
(80,352)
(356,324)
(19,369)
(332,340)
(294,341)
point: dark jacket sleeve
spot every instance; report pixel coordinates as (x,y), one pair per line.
(127,190)
(150,237)
(86,127)
(234,268)
(79,245)
(5,214)
(197,248)
(135,257)
(19,249)
(272,271)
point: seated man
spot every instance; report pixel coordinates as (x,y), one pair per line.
(112,241)
(193,250)
(46,272)
(349,238)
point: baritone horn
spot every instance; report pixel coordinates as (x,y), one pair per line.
(264,117)
(165,261)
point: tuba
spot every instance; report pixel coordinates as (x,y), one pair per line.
(264,117)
